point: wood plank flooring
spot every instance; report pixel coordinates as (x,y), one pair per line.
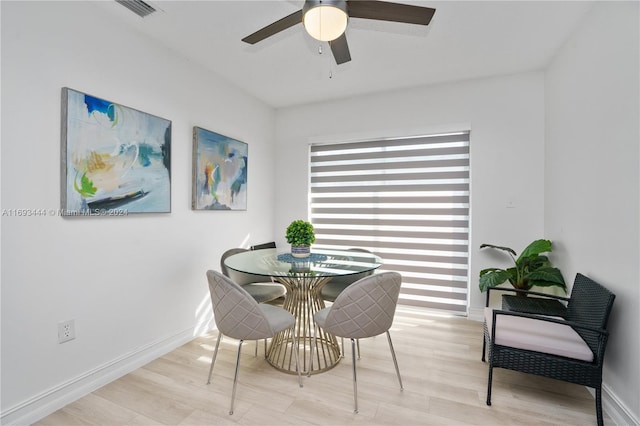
(439,358)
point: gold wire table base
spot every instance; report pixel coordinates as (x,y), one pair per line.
(303,300)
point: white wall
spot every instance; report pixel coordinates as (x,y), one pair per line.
(134,285)
(506,118)
(592,177)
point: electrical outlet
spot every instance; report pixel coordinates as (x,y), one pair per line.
(66,331)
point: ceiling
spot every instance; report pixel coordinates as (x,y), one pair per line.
(465,40)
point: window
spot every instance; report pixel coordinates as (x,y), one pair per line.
(405,199)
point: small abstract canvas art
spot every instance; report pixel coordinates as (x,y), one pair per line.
(219,172)
(113,157)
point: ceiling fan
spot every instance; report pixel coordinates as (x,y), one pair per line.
(326,20)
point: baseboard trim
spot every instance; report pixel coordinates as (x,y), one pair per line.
(476,314)
(616,409)
(55,398)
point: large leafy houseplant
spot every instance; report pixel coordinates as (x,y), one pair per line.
(530,269)
(300,233)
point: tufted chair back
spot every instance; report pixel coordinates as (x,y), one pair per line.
(366,307)
(237,313)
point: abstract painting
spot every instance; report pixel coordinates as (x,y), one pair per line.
(219,172)
(113,158)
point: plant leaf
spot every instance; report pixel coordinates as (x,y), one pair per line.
(485,271)
(547,277)
(535,248)
(493,277)
(300,233)
(547,273)
(507,249)
(537,262)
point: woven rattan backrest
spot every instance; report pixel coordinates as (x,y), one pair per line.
(365,308)
(269,245)
(590,304)
(237,314)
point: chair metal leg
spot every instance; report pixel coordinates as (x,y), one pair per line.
(395,361)
(265,348)
(490,378)
(294,342)
(599,406)
(215,354)
(342,346)
(235,377)
(489,383)
(355,376)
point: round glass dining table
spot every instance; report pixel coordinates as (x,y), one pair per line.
(304,278)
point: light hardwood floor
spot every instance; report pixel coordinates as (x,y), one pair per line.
(439,358)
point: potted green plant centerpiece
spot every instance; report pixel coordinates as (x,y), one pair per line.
(300,235)
(530,269)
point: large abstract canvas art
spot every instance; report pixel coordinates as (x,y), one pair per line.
(219,172)
(114,158)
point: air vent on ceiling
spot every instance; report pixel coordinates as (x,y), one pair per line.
(138,7)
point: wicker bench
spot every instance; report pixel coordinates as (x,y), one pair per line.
(569,348)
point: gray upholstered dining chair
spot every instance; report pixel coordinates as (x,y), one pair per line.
(364,309)
(261,290)
(333,288)
(239,316)
(256,285)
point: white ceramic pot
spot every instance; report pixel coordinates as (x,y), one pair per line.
(300,251)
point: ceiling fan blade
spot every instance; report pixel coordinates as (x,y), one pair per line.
(386,11)
(340,49)
(276,27)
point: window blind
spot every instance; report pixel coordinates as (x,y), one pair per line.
(405,199)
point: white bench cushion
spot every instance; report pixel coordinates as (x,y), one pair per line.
(539,336)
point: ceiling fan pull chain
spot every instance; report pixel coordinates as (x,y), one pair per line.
(330,59)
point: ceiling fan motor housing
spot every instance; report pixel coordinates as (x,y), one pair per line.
(340,4)
(325,20)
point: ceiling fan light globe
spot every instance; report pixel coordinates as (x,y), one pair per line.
(325,21)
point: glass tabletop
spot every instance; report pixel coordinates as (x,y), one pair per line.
(321,263)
